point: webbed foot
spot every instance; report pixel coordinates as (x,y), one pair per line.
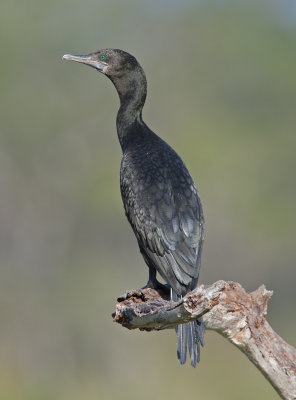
(163,290)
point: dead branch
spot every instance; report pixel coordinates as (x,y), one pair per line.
(226,308)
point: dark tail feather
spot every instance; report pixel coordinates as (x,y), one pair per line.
(193,344)
(182,336)
(191,335)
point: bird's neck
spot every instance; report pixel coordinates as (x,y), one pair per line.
(132,94)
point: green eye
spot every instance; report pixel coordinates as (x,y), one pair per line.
(102,57)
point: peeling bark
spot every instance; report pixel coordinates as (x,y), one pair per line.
(226,308)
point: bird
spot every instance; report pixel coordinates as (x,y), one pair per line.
(160,199)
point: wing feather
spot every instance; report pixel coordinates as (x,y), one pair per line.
(167,218)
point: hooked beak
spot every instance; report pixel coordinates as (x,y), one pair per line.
(88,60)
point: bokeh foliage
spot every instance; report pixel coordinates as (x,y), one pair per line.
(222,91)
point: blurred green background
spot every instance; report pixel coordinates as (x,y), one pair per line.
(222,91)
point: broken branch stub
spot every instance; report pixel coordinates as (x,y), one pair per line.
(226,308)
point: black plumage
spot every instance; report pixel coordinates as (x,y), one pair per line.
(160,199)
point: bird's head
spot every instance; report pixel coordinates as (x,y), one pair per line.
(127,76)
(111,62)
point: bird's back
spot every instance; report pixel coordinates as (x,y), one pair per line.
(162,205)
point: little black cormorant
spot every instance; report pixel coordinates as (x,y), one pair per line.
(160,199)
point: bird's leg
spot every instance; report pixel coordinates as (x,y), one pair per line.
(152,281)
(154,284)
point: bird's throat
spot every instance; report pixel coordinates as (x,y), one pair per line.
(127,121)
(132,95)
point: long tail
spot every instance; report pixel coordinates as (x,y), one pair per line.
(190,335)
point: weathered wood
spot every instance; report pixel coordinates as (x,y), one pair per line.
(226,308)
